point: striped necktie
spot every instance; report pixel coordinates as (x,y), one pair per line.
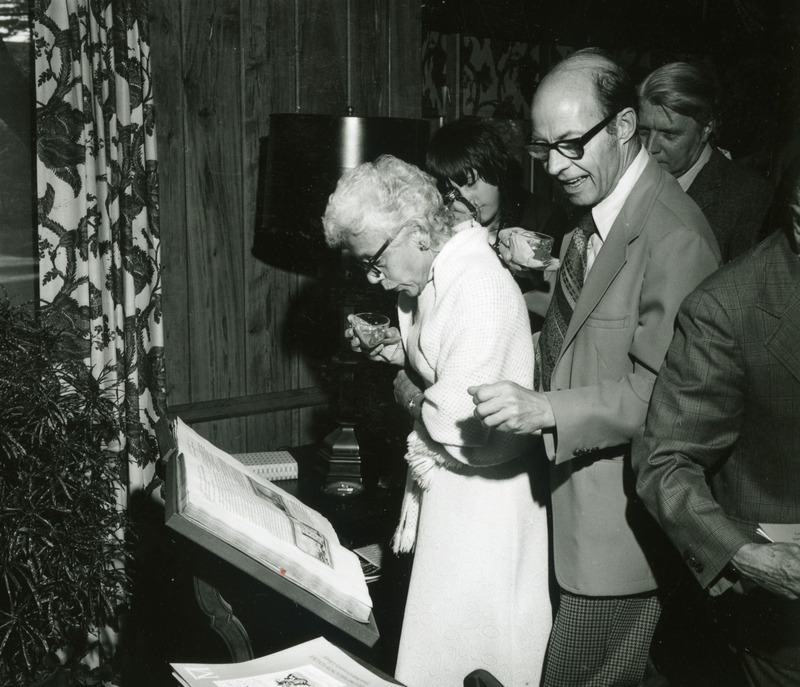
(565,295)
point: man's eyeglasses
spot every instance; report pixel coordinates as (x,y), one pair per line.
(369,265)
(572,148)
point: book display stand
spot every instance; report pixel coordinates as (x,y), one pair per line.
(209,557)
(220,612)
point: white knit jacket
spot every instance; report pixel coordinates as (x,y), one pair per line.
(469,326)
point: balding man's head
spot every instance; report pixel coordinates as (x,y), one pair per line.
(612,87)
(583,92)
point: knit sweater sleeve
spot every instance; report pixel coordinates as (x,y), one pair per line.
(480,335)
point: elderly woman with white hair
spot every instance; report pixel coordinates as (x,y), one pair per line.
(473,511)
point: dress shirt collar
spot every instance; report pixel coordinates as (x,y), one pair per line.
(606,211)
(686,179)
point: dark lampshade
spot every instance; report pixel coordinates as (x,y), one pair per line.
(305,156)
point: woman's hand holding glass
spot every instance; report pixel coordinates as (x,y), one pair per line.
(371,334)
(523,250)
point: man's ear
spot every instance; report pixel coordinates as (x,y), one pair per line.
(626,124)
(707,130)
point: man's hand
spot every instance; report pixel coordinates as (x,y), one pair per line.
(512,408)
(776,567)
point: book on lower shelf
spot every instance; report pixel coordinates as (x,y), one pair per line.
(273,465)
(316,663)
(217,502)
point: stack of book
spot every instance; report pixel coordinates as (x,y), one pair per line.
(271,465)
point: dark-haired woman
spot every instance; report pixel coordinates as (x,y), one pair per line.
(474,156)
(473,161)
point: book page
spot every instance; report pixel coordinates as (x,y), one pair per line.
(210,459)
(221,487)
(316,663)
(780,532)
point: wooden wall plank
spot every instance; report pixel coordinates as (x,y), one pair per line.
(268,51)
(370,83)
(386,58)
(166,42)
(322,53)
(222,67)
(212,53)
(322,89)
(405,58)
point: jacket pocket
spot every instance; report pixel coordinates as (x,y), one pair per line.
(600,321)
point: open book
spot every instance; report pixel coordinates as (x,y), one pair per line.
(222,505)
(317,663)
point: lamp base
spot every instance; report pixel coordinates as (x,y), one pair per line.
(341,462)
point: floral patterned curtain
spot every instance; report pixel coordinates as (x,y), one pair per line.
(97,191)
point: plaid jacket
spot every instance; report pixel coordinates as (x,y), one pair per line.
(721,449)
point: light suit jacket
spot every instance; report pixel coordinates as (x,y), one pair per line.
(721,451)
(659,248)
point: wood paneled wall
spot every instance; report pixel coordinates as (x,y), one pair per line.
(220,68)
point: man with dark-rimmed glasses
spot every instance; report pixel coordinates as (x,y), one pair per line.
(639,246)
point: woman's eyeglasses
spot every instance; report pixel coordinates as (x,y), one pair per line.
(451,194)
(369,265)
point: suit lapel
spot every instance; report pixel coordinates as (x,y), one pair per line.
(612,257)
(704,188)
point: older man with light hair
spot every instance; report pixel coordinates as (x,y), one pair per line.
(678,119)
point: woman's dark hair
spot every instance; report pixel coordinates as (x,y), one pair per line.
(474,147)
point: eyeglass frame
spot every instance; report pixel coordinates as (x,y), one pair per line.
(451,194)
(369,265)
(581,141)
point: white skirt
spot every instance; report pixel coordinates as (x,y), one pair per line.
(478,595)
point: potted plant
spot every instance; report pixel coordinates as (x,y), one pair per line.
(61,527)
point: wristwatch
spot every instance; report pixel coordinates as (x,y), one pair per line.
(414,404)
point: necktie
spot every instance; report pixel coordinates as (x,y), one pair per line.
(565,296)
